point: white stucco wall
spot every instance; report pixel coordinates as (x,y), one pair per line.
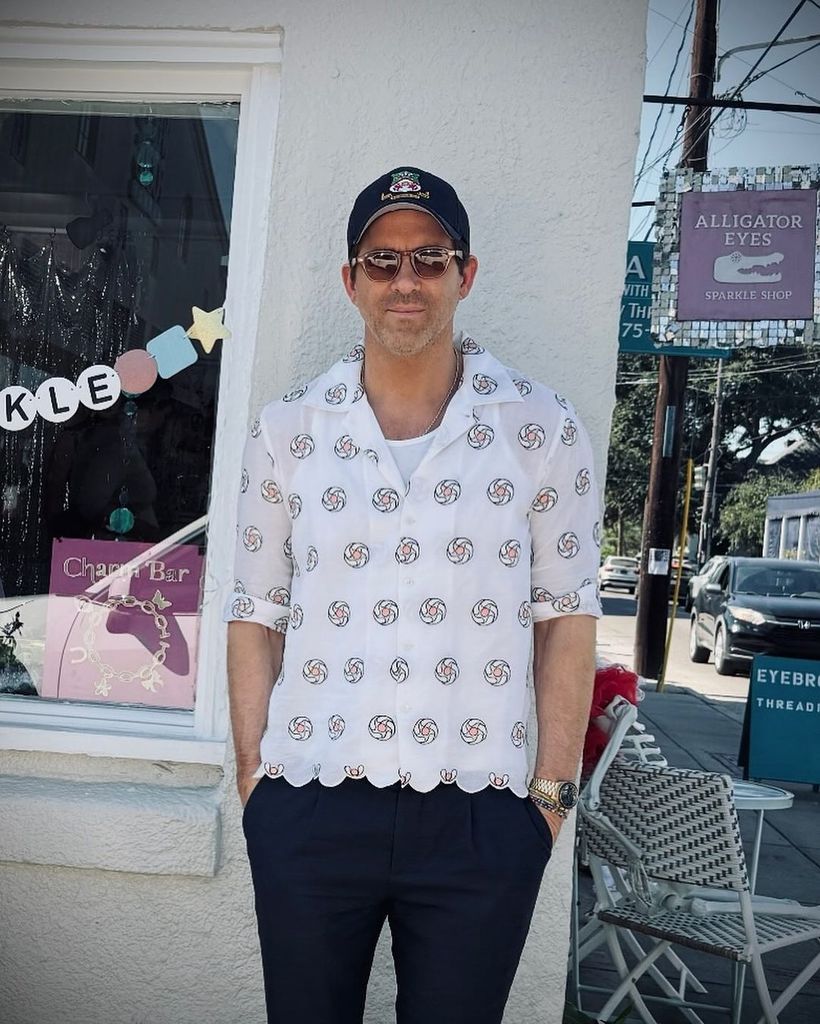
(531,108)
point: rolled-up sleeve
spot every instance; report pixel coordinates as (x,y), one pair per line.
(262,568)
(565,527)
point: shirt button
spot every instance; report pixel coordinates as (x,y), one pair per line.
(405,707)
(408,647)
(409,581)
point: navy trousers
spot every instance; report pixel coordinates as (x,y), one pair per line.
(455,874)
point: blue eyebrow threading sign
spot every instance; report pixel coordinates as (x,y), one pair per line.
(784,719)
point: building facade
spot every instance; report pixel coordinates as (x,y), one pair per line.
(159,162)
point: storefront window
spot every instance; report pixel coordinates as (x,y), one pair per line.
(773,538)
(812,538)
(117,220)
(791,536)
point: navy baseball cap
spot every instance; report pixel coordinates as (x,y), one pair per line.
(409,188)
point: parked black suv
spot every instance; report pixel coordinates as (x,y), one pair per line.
(751,606)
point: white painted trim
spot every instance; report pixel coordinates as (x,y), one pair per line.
(183,65)
(178,749)
(178,46)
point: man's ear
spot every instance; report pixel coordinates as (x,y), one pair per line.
(468,276)
(349,281)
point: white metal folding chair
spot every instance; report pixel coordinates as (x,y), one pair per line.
(628,741)
(668,835)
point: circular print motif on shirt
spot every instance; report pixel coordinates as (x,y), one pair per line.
(596,533)
(470,347)
(484,612)
(448,775)
(291,396)
(484,385)
(287,547)
(545,500)
(256,428)
(335,726)
(568,545)
(242,607)
(311,559)
(270,491)
(314,671)
(399,670)
(356,554)
(385,499)
(433,610)
(354,670)
(524,386)
(300,728)
(500,491)
(510,552)
(239,587)
(336,394)
(243,486)
(582,482)
(334,499)
(385,612)
(498,781)
(518,734)
(294,505)
(531,436)
(473,730)
(296,616)
(446,671)
(497,672)
(480,436)
(569,432)
(278,595)
(355,355)
(339,613)
(540,595)
(561,401)
(301,446)
(567,602)
(525,614)
(460,550)
(407,551)
(425,730)
(252,538)
(381,727)
(447,491)
(346,447)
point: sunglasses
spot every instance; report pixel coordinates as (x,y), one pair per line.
(429,262)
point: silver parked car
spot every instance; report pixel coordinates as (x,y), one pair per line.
(618,571)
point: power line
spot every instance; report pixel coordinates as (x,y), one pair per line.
(666,90)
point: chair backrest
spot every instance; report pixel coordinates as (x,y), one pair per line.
(641,747)
(617,720)
(669,823)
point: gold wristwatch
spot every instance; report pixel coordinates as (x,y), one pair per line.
(559,796)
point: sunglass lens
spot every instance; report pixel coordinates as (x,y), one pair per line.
(381,266)
(431,262)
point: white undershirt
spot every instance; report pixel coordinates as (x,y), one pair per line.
(409,453)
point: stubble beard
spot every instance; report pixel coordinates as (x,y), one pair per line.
(407,339)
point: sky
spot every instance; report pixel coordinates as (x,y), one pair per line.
(739,139)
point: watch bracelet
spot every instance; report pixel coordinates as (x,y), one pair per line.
(549,805)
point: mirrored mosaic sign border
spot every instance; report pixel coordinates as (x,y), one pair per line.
(699,334)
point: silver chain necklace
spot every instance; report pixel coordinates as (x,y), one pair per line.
(452,390)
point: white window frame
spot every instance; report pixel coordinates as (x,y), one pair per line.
(136,64)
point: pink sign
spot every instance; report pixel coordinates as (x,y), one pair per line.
(122,622)
(747,255)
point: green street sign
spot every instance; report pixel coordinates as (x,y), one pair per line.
(636,307)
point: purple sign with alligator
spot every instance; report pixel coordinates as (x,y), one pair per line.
(747,255)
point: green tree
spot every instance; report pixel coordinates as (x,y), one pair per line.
(743,514)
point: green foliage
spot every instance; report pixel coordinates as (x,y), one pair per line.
(743,514)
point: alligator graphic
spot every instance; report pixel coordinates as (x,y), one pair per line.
(737,268)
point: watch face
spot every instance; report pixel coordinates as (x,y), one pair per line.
(568,794)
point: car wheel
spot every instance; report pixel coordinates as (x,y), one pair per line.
(723,666)
(698,654)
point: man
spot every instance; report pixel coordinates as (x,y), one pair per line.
(411,524)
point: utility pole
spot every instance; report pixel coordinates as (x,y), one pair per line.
(659,511)
(705,533)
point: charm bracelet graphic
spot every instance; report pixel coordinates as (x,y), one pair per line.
(148,675)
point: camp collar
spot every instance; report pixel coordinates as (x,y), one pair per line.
(486,381)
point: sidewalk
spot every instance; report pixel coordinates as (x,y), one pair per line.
(698,732)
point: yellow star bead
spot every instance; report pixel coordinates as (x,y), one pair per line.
(207,328)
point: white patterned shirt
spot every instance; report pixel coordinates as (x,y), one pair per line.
(409,607)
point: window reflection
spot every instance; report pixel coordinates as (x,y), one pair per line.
(116,222)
